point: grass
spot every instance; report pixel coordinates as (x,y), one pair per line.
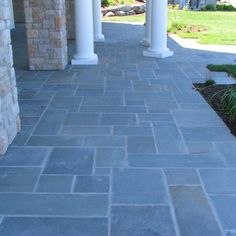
(228,68)
(219,27)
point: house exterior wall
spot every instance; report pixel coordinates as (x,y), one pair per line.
(46,34)
(9,109)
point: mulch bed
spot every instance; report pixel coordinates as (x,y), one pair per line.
(212,95)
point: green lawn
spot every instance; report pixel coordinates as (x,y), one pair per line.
(219,27)
(229,68)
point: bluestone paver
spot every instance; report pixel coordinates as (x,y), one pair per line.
(138,186)
(26,226)
(141,220)
(122,148)
(92,184)
(70,161)
(193,212)
(54,184)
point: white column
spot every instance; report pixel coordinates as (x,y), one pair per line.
(97,24)
(158,47)
(84,34)
(148,18)
(12,14)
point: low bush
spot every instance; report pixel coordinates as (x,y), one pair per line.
(210,7)
(228,103)
(224,7)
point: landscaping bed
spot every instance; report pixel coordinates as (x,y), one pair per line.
(213,94)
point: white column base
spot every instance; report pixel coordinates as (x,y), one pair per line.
(145,42)
(92,60)
(100,38)
(160,54)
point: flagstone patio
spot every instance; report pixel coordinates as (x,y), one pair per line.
(123,148)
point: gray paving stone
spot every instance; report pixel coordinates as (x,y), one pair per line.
(86,205)
(50,122)
(90,92)
(24,156)
(119,119)
(103,101)
(54,140)
(141,220)
(29,120)
(82,119)
(65,102)
(201,148)
(18,179)
(132,131)
(161,106)
(31,108)
(113,109)
(226,209)
(219,181)
(26,226)
(230,233)
(110,157)
(138,186)
(102,171)
(86,130)
(23,136)
(193,213)
(156,117)
(179,160)
(70,161)
(92,184)
(168,138)
(54,184)
(199,118)
(181,176)
(228,150)
(160,96)
(211,134)
(141,144)
(104,141)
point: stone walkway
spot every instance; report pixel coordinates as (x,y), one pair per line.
(124,148)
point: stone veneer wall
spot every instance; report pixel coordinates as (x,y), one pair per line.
(19,14)
(9,109)
(46,34)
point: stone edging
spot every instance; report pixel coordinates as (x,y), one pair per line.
(124,10)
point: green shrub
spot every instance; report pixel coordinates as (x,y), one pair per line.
(209,82)
(210,7)
(228,103)
(224,7)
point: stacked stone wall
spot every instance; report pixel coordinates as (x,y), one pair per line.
(9,109)
(46,34)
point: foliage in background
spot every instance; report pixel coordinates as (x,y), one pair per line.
(224,7)
(228,68)
(220,25)
(210,7)
(228,103)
